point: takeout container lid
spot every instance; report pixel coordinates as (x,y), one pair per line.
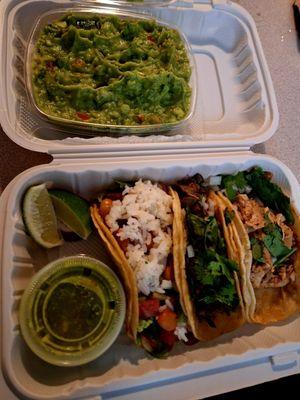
(235,109)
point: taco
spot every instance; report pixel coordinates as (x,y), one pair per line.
(266,233)
(135,222)
(208,266)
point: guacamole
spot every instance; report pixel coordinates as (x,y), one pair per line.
(109,70)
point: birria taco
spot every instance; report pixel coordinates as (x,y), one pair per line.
(135,221)
(209,270)
(265,231)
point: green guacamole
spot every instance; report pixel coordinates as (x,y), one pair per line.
(108,70)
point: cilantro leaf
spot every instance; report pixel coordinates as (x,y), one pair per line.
(233,184)
(272,229)
(213,272)
(257,250)
(226,295)
(197,225)
(269,193)
(274,240)
(210,270)
(213,236)
(229,216)
(281,260)
(205,232)
(275,246)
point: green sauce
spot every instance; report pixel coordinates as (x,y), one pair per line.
(108,70)
(73,311)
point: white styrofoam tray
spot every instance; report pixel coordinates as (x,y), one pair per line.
(236,105)
(125,367)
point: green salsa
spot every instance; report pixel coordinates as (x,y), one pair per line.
(109,70)
(73,311)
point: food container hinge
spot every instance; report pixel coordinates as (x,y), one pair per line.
(146,155)
(285,360)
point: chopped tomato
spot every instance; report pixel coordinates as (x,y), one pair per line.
(150,38)
(50,65)
(105,207)
(83,115)
(167,320)
(168,338)
(148,308)
(140,118)
(168,273)
(78,63)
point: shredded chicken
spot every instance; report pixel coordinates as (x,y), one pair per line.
(258,272)
(263,275)
(281,279)
(251,211)
(256,217)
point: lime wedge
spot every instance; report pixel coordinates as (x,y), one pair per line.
(39,217)
(73,211)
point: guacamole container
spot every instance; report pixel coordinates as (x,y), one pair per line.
(235,109)
(94,128)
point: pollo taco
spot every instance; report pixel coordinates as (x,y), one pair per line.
(266,234)
(208,267)
(135,222)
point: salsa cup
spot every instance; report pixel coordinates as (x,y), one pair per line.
(72,311)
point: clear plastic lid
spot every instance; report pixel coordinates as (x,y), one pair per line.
(235,103)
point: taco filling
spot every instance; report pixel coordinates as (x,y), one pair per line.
(211,275)
(267,217)
(140,218)
(267,228)
(272,242)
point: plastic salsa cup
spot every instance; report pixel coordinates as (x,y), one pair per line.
(72,311)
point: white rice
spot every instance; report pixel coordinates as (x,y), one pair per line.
(148,212)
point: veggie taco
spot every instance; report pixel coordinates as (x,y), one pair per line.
(136,223)
(266,231)
(207,263)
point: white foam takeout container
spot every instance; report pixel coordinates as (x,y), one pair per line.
(236,109)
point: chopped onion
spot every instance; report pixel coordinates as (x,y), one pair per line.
(162,308)
(165,284)
(215,180)
(190,251)
(169,304)
(159,296)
